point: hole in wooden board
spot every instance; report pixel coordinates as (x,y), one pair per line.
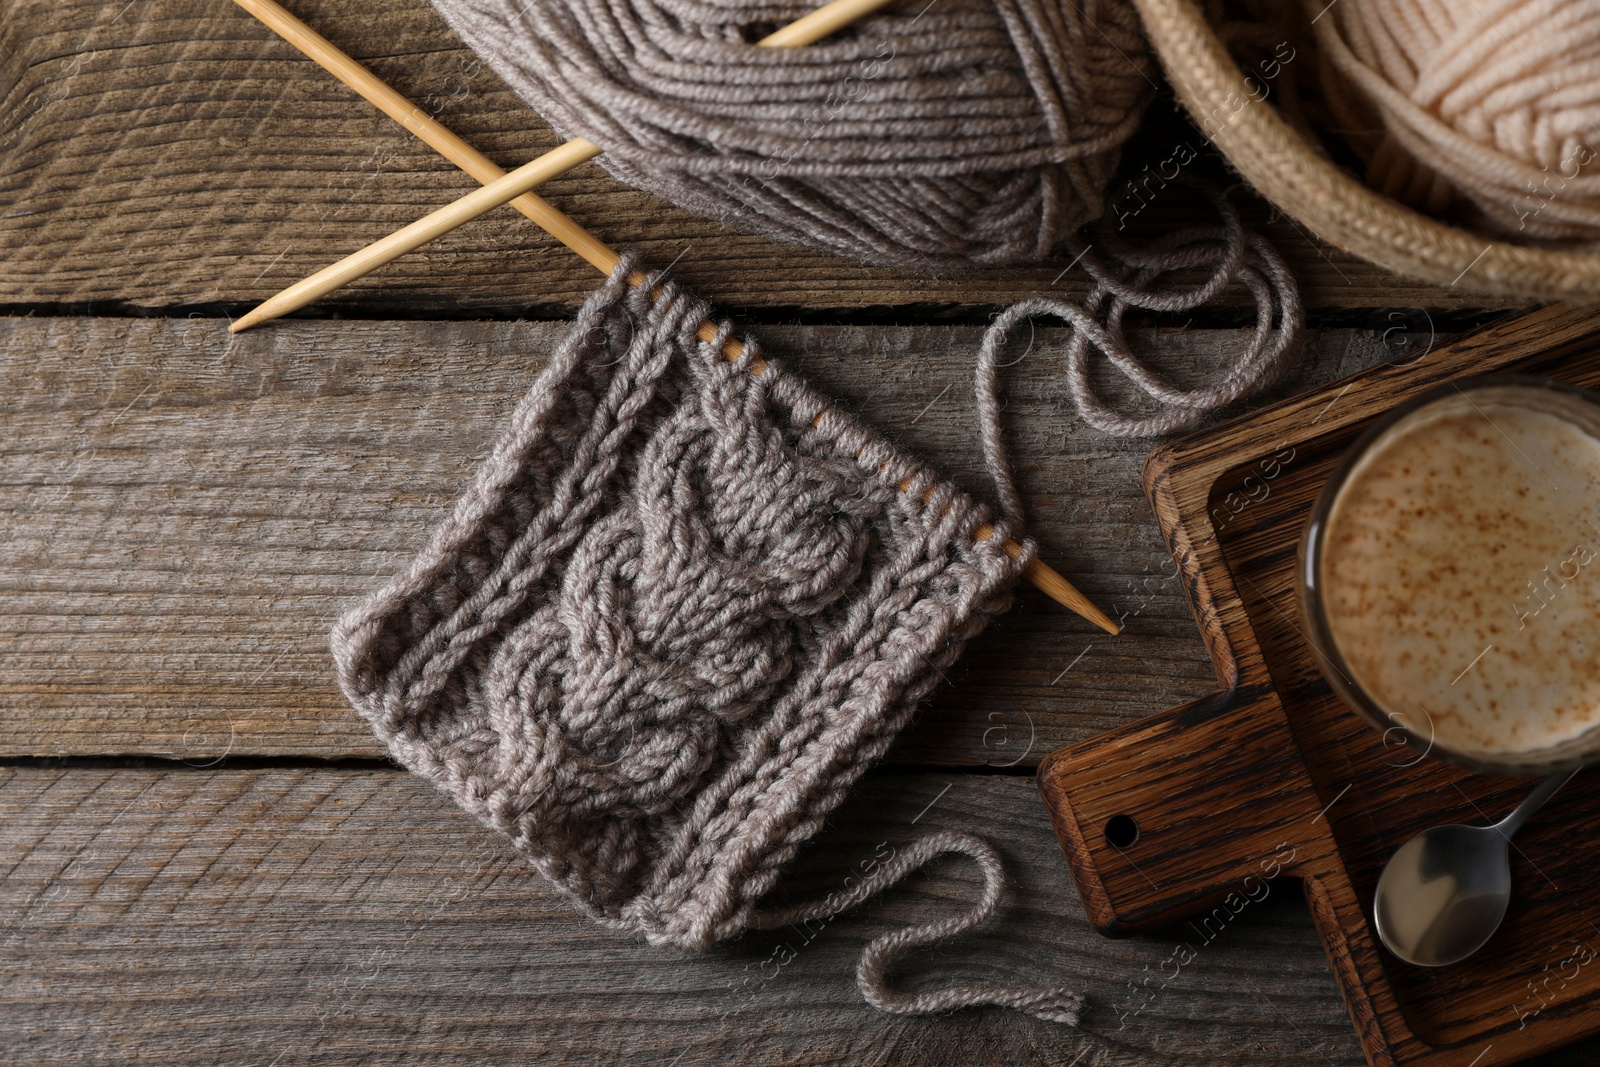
(1121,831)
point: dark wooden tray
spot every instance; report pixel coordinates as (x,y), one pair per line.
(1274,775)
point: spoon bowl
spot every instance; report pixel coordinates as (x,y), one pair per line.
(1443,895)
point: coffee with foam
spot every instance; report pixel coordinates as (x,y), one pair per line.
(1460,574)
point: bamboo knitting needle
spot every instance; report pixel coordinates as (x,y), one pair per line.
(565,229)
(803,31)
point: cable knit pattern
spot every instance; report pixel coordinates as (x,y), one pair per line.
(679,611)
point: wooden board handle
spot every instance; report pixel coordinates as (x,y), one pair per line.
(1193,810)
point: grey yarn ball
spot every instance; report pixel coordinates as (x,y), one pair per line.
(956,132)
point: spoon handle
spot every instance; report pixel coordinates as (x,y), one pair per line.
(1534,801)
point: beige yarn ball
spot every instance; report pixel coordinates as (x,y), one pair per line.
(1489,109)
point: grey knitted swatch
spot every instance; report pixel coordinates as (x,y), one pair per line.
(679,611)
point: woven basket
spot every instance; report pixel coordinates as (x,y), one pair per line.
(1334,205)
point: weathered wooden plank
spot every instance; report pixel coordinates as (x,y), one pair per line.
(175,153)
(296,916)
(185,513)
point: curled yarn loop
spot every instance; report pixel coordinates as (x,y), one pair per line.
(1491,106)
(965,131)
(1129,276)
(1049,1003)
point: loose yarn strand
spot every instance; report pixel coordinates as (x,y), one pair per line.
(1231,254)
(1053,1004)
(995,456)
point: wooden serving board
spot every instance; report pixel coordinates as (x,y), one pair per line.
(1180,820)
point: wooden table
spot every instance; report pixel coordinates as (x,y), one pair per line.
(206,858)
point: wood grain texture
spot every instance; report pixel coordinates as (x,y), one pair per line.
(1216,785)
(182,515)
(127,133)
(186,513)
(296,916)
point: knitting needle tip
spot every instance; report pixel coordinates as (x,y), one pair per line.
(1050,582)
(1100,619)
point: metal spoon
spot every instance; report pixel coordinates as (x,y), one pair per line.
(1444,893)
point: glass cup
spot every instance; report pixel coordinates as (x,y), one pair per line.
(1358,674)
